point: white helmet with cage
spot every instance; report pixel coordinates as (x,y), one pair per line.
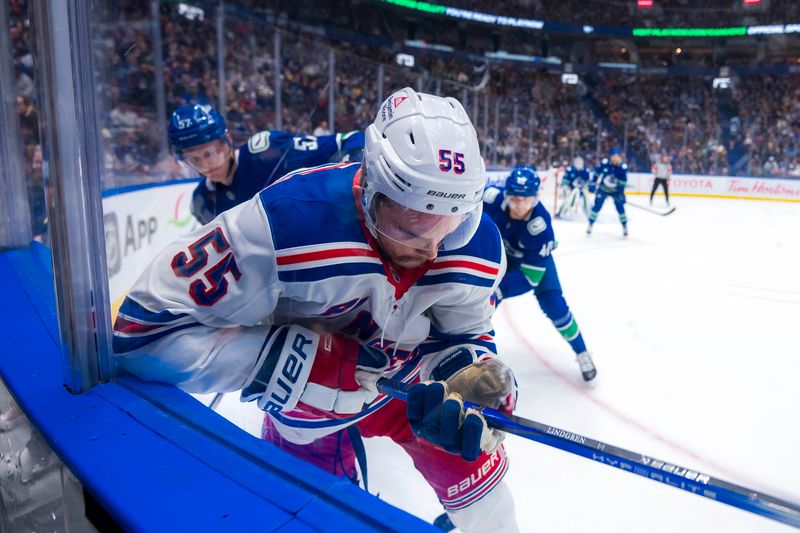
(578,162)
(422,153)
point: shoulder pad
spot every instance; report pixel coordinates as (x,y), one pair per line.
(624,166)
(604,161)
(485,244)
(537,225)
(490,194)
(258,142)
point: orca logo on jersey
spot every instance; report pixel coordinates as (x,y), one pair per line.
(536,226)
(451,195)
(490,195)
(258,142)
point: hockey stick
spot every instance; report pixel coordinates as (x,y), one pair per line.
(215,401)
(654,211)
(649,467)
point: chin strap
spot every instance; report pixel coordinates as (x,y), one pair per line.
(231,162)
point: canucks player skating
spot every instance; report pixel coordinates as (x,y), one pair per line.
(576,176)
(610,178)
(529,240)
(199,138)
(337,276)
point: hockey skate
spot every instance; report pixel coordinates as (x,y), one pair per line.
(586,365)
(624,230)
(589,230)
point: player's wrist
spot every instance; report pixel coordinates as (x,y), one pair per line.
(301,368)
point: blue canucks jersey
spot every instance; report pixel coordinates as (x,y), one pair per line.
(610,178)
(528,242)
(266,157)
(574,177)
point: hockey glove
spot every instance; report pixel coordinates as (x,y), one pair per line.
(436,410)
(328,372)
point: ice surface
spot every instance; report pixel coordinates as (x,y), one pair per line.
(693,324)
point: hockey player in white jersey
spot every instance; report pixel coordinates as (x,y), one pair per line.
(335,276)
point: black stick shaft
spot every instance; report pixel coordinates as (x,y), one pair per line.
(653,211)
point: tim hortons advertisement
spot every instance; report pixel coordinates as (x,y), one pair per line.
(747,188)
(787,190)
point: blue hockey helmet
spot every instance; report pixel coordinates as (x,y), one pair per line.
(195,124)
(522,181)
(616,151)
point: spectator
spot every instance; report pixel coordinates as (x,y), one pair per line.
(322,129)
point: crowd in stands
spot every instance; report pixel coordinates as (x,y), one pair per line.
(523,116)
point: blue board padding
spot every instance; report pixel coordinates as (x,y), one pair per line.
(154,457)
(33,270)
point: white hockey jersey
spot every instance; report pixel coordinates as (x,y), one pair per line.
(297,253)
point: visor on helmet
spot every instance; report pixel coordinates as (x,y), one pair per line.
(208,156)
(418,230)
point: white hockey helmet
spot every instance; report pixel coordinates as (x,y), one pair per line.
(578,163)
(422,153)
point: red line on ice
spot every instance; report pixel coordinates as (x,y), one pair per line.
(616,413)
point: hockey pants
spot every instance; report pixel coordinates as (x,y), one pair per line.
(619,203)
(664,185)
(459,485)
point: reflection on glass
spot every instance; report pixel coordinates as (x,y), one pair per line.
(37,492)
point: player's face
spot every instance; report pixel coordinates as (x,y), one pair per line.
(410,238)
(615,159)
(520,207)
(211,160)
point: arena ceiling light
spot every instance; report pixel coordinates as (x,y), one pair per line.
(501,54)
(405,60)
(191,12)
(721,83)
(569,79)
